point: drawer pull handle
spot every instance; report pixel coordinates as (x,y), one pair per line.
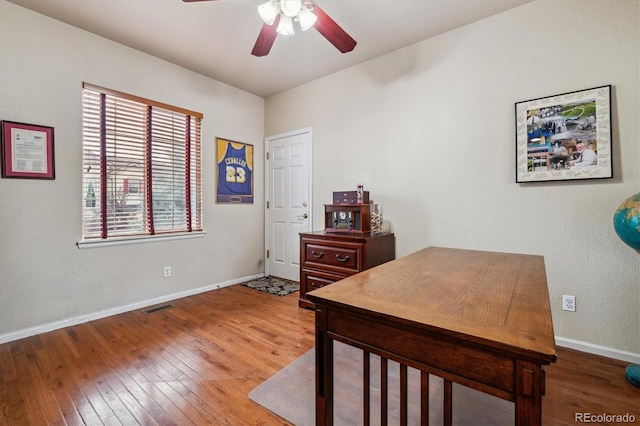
(342,259)
(317,255)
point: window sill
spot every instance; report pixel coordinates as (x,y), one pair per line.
(119,241)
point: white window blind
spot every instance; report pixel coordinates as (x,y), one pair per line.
(141,166)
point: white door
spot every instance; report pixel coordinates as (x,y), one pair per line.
(288,183)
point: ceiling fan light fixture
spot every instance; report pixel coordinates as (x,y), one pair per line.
(306,18)
(268,11)
(290,8)
(285,27)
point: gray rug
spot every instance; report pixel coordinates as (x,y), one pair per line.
(273,285)
(290,393)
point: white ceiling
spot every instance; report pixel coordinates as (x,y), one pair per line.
(215,38)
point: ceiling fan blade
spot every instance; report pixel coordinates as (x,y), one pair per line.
(266,38)
(333,32)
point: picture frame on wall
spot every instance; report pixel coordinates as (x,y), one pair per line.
(235,172)
(564,137)
(27,150)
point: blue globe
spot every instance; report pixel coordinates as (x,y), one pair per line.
(626,221)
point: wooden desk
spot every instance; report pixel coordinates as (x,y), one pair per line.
(481,319)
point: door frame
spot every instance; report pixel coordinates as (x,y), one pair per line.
(267,188)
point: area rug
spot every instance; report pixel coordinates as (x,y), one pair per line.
(290,394)
(273,285)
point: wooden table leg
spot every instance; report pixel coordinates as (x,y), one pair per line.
(529,391)
(324,371)
(448,402)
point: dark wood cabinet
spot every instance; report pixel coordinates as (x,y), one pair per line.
(329,257)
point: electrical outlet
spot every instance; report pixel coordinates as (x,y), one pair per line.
(568,303)
(167,271)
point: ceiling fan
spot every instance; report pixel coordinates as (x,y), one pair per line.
(279,15)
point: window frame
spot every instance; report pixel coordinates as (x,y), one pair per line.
(188,160)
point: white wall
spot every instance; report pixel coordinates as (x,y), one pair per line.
(44,277)
(429,130)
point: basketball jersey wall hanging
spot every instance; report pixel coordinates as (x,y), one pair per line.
(235,172)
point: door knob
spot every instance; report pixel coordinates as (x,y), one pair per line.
(304,216)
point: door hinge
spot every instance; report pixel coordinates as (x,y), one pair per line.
(267,254)
(267,204)
(267,155)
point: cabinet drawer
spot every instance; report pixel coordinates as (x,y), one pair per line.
(345,259)
(313,280)
(329,257)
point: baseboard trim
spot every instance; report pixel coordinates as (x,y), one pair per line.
(598,350)
(45,328)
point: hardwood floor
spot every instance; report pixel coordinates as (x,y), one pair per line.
(196,362)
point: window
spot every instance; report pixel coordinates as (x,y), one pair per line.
(141,167)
